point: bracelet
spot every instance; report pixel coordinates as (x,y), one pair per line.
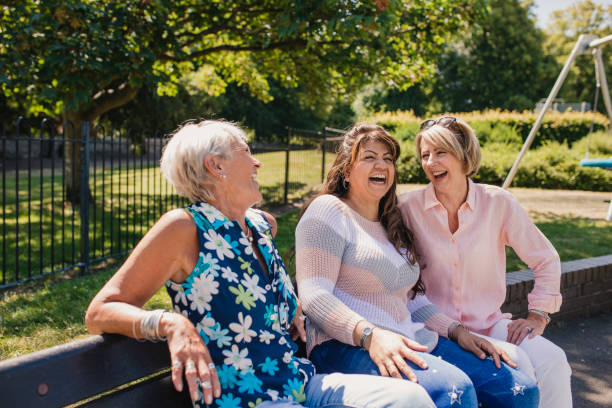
(149,325)
(451,329)
(541,313)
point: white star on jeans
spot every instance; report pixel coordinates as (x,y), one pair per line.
(518,389)
(455,395)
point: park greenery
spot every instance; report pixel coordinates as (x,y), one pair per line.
(35,319)
(152,64)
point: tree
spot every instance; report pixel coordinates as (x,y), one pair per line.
(497,62)
(77,59)
(583,17)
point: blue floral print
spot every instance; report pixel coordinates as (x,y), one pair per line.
(242,313)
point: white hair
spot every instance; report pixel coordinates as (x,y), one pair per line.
(182,161)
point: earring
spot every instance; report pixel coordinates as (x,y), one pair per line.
(345,184)
(222,175)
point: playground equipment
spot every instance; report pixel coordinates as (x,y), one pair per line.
(586,44)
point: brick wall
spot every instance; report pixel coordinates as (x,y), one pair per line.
(586,286)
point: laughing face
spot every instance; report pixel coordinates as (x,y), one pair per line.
(372,173)
(443,169)
(241,179)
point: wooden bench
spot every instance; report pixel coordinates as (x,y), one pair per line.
(82,369)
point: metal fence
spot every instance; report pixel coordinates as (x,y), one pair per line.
(72,203)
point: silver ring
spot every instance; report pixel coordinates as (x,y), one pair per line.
(206,384)
(211,366)
(177,364)
(302,317)
(190,366)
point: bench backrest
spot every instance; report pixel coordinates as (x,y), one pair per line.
(73,372)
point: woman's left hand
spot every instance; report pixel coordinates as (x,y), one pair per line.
(297,326)
(519,328)
(481,347)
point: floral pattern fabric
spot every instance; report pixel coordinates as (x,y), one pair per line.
(242,315)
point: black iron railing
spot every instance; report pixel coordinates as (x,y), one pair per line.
(75,198)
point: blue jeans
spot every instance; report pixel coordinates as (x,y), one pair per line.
(358,391)
(455,376)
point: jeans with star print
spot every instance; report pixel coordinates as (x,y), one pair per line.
(454,377)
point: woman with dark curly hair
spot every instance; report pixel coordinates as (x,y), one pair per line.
(357,275)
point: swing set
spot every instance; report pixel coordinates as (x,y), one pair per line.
(586,44)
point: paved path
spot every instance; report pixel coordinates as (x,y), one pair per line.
(588,346)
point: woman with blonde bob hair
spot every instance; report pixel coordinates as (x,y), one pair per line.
(462,229)
(235,311)
(357,274)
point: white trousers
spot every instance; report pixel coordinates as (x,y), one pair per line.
(543,361)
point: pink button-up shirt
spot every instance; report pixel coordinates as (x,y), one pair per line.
(465,272)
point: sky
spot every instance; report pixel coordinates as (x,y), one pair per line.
(544,8)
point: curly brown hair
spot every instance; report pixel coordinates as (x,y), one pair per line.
(388,212)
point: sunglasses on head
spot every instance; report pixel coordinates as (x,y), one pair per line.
(444,121)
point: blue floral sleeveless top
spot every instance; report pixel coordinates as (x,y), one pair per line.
(242,315)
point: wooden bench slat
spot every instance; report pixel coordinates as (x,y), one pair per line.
(75,371)
(157,392)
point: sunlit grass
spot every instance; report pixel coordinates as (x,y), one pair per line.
(41,233)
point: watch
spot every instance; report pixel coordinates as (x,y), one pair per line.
(367,332)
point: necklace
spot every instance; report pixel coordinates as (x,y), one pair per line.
(249,234)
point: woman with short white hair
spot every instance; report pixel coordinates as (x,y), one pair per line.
(461,230)
(234,304)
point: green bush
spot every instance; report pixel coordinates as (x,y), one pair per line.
(494,125)
(599,145)
(553,166)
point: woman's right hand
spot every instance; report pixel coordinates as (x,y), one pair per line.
(389,352)
(189,353)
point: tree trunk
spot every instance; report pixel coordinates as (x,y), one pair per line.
(72,156)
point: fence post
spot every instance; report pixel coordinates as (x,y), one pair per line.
(285,200)
(323,143)
(85,130)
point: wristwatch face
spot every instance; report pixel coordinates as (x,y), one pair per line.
(364,335)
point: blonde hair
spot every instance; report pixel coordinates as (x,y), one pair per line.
(182,161)
(458,139)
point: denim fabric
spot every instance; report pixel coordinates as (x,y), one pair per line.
(455,377)
(358,391)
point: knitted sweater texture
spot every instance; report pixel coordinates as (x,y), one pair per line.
(347,270)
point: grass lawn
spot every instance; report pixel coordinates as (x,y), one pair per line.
(40,233)
(53,314)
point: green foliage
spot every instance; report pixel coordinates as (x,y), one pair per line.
(501,126)
(599,144)
(552,166)
(496,62)
(582,17)
(552,161)
(87,56)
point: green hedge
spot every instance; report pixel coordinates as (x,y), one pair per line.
(552,166)
(567,127)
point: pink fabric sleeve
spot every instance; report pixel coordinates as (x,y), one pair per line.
(538,253)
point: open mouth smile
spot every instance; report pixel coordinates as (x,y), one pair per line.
(439,174)
(378,179)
